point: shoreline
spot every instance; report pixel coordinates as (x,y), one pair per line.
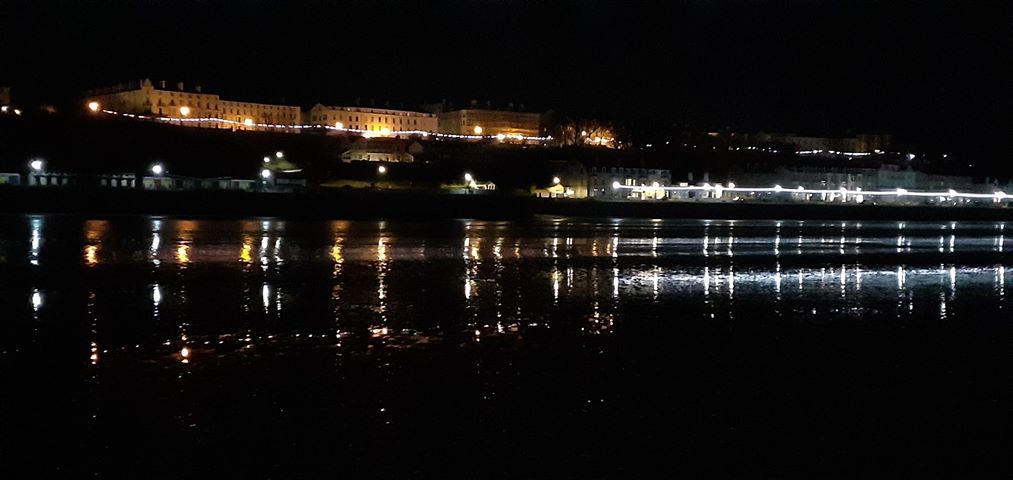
(415,204)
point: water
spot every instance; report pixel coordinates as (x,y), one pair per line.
(160,347)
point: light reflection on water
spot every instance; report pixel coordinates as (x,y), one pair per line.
(353,284)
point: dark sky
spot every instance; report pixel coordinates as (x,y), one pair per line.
(932,69)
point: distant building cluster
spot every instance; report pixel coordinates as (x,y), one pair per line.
(200,109)
(884,177)
(853,144)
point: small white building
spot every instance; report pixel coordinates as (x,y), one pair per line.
(601,179)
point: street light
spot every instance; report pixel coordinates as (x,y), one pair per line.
(267,159)
(157,169)
(279,154)
(478,130)
(339,125)
(265,174)
(381,169)
(93,106)
(555,180)
(184,111)
(468,178)
(36,165)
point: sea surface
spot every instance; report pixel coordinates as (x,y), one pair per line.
(161,347)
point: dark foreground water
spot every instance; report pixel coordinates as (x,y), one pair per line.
(141,347)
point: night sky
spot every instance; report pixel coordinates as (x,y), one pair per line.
(931,70)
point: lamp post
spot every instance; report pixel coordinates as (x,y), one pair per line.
(380,171)
(265,174)
(93,106)
(35,167)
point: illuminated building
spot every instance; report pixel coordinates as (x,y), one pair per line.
(192,108)
(474,121)
(388,150)
(601,180)
(569,180)
(376,121)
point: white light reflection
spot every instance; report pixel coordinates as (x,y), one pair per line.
(265,295)
(615,283)
(777,246)
(156,241)
(35,240)
(36,300)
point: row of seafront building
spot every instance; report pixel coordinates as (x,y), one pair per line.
(201,109)
(573,180)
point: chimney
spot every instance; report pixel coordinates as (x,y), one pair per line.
(179,86)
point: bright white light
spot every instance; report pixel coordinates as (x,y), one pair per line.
(656,185)
(478,130)
(777,188)
(384,131)
(267,159)
(615,185)
(248,122)
(184,111)
(952,192)
(265,173)
(501,137)
(381,169)
(36,300)
(555,180)
(157,169)
(93,106)
(707,186)
(279,154)
(339,125)
(731,185)
(36,165)
(468,178)
(901,191)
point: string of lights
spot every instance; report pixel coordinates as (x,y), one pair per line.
(857,192)
(366,133)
